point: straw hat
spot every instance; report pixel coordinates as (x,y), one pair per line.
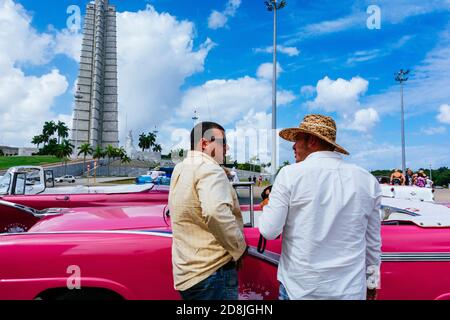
(322,127)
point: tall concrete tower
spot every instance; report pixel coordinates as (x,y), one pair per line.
(96,109)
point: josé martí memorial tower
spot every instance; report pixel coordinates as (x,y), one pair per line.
(95,117)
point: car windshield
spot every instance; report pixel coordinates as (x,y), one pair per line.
(5,182)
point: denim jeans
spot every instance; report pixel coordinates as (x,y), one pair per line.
(283,294)
(221,285)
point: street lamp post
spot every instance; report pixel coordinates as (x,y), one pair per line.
(401,78)
(273,5)
(195,118)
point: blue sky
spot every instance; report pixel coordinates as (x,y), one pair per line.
(331,62)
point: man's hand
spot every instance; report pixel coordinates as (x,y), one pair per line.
(371,294)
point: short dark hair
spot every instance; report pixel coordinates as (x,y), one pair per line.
(199,131)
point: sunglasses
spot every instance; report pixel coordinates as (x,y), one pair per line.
(222,141)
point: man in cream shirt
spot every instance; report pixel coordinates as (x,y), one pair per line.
(208,239)
(328,214)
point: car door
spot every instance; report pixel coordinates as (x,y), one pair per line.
(41,201)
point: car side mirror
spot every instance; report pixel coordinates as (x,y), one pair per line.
(49,179)
(249,187)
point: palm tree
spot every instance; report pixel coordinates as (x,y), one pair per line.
(157,148)
(98,153)
(48,130)
(121,153)
(64,150)
(151,139)
(125,159)
(147,141)
(61,130)
(142,141)
(85,149)
(37,140)
(110,152)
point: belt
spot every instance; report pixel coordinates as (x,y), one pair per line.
(230,265)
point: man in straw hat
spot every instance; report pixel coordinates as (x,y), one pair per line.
(328,213)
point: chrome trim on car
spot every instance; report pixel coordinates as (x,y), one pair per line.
(20,207)
(274,258)
(388,210)
(156,233)
(415,257)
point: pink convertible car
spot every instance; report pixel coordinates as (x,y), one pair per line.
(125,253)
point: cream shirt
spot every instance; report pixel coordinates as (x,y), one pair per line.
(206,220)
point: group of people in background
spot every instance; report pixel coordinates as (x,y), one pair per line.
(418,179)
(257,181)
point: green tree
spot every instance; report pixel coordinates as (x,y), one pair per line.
(48,131)
(99,153)
(110,152)
(63,151)
(157,148)
(37,140)
(50,148)
(151,140)
(125,159)
(146,141)
(142,141)
(120,153)
(85,149)
(61,130)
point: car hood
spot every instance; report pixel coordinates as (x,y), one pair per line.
(104,218)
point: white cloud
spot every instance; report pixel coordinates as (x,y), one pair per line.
(332,26)
(433,130)
(156,55)
(392,12)
(218,19)
(68,43)
(25,101)
(364,120)
(308,91)
(25,104)
(426,87)
(265,71)
(290,51)
(365,55)
(388,156)
(251,137)
(227,101)
(339,95)
(444,114)
(19,42)
(343,97)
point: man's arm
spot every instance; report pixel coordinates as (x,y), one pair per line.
(216,201)
(373,245)
(274,215)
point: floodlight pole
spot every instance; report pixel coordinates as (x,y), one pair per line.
(273,5)
(401,77)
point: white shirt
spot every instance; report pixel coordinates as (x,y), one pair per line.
(328,213)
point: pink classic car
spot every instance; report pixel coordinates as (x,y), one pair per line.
(34,187)
(125,253)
